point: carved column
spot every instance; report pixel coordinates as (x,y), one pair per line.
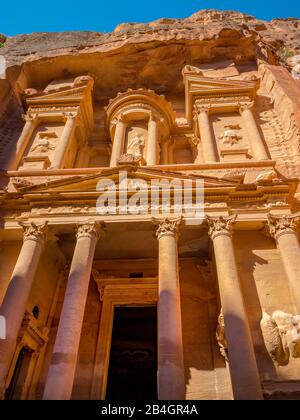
(283,230)
(171,381)
(64,142)
(207,137)
(152,146)
(31,122)
(257,146)
(14,303)
(242,363)
(61,372)
(118,143)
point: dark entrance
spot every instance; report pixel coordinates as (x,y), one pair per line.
(133,358)
(14,391)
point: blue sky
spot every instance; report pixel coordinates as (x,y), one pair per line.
(19,16)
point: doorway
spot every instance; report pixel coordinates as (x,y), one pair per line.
(132,373)
(15,389)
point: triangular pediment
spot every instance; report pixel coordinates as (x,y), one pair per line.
(88,183)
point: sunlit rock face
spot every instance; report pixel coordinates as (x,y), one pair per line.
(214,98)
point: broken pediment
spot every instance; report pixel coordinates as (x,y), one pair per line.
(62,95)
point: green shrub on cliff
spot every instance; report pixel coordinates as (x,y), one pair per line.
(2,40)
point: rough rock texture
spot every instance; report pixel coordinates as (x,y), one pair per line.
(276,39)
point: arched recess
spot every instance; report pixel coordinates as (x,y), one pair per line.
(139,122)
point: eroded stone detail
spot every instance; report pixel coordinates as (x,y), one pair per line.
(221,336)
(281,333)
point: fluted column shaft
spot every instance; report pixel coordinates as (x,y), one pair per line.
(15,300)
(64,142)
(242,363)
(59,383)
(171,380)
(206,135)
(31,123)
(152,146)
(118,143)
(258,148)
(283,230)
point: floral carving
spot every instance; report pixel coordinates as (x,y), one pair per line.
(34,232)
(167,227)
(280,225)
(220,226)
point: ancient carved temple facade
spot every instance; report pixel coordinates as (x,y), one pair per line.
(121,306)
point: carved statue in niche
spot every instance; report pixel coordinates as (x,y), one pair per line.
(230,137)
(136,146)
(43,145)
(134,152)
(281,333)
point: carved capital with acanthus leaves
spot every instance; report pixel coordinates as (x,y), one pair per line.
(167,227)
(91,230)
(34,232)
(282,225)
(200,108)
(221,226)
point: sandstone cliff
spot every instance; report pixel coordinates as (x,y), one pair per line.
(274,40)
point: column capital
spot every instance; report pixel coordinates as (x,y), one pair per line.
(34,232)
(69,116)
(29,117)
(220,226)
(118,119)
(244,106)
(199,108)
(281,225)
(167,227)
(92,230)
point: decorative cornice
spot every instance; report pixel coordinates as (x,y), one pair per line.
(33,232)
(91,230)
(282,225)
(220,226)
(167,227)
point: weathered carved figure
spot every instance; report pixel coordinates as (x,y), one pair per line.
(281,333)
